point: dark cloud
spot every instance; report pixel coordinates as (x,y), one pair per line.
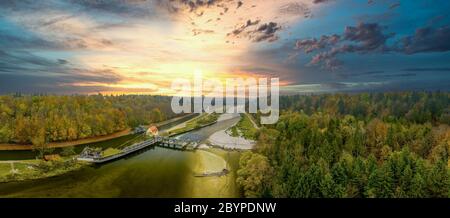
(22,59)
(27,5)
(131,8)
(426,39)
(10,83)
(10,40)
(14,40)
(194,5)
(263,32)
(310,45)
(399,75)
(371,38)
(239,4)
(321,1)
(394,5)
(266,32)
(367,73)
(441,69)
(196,32)
(62,61)
(73,8)
(55,20)
(243,27)
(15,66)
(363,38)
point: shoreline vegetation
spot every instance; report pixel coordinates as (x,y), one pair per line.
(198,122)
(245,128)
(25,170)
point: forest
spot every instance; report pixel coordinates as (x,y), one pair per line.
(385,145)
(39,119)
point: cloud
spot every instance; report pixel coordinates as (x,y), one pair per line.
(10,39)
(369,38)
(23,59)
(263,32)
(313,44)
(394,5)
(14,66)
(441,69)
(425,39)
(296,8)
(254,20)
(39,83)
(321,1)
(127,8)
(239,4)
(196,5)
(242,28)
(266,32)
(363,38)
(400,75)
(334,87)
(201,31)
(367,73)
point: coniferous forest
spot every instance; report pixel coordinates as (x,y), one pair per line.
(363,145)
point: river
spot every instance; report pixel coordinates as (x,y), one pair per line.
(155,172)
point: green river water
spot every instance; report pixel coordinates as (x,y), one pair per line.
(155,172)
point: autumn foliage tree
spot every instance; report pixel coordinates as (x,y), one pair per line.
(26,119)
(382,145)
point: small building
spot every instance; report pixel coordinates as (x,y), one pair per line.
(153,131)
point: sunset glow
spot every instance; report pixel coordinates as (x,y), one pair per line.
(125,47)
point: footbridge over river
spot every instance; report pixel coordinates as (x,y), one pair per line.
(92,155)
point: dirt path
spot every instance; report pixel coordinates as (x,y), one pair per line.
(251,119)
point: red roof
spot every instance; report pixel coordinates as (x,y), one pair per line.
(153,130)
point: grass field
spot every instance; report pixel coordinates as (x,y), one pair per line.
(244,128)
(195,123)
(110,152)
(35,169)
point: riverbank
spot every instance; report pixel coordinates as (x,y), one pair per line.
(15,171)
(238,137)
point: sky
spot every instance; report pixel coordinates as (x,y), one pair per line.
(141,46)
